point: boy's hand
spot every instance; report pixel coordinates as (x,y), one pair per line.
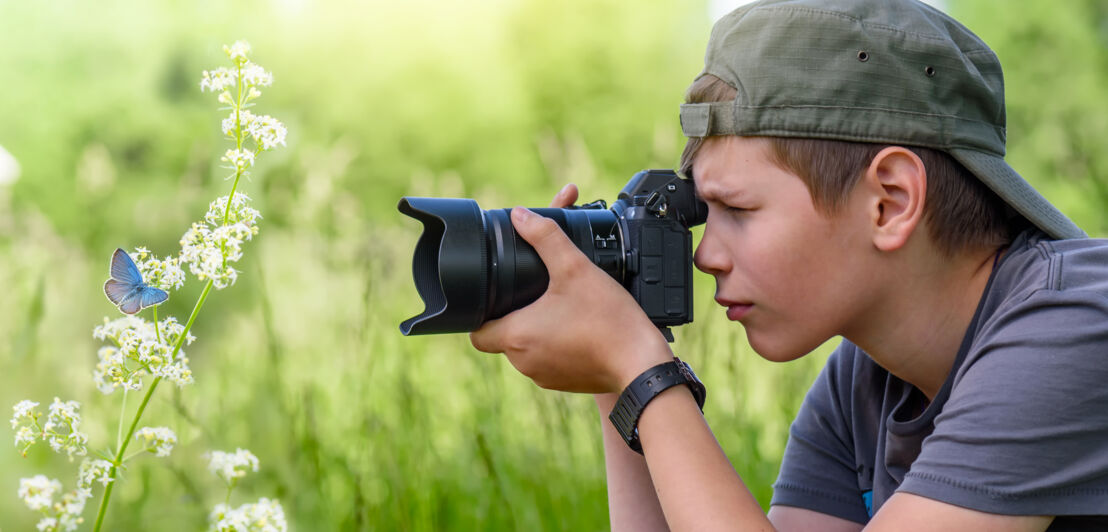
(586,333)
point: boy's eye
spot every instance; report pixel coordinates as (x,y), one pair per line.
(735,210)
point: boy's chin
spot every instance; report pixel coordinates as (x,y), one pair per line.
(778,349)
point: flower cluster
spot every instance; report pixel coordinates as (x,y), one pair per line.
(232,466)
(94,471)
(265,515)
(136,348)
(61,429)
(209,246)
(164,274)
(266,131)
(237,86)
(158,440)
(262,516)
(38,494)
(140,349)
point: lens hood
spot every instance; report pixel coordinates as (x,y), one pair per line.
(452,243)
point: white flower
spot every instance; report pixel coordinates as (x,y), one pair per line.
(25,437)
(210,246)
(140,349)
(38,492)
(255,75)
(62,428)
(240,159)
(112,373)
(159,440)
(238,51)
(240,212)
(24,410)
(25,423)
(94,471)
(267,131)
(232,466)
(164,274)
(178,374)
(244,119)
(217,80)
(70,508)
(265,515)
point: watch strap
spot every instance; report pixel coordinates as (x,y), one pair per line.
(631,403)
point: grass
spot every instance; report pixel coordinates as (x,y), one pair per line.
(356,426)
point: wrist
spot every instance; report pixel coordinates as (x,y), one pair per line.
(643,389)
(639,357)
(605,401)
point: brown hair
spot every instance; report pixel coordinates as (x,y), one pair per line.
(961,213)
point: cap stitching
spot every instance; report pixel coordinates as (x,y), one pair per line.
(859,21)
(740,89)
(897,111)
(861,138)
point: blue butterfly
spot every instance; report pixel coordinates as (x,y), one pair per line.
(126,288)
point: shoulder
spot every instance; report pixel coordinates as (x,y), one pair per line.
(1024,425)
(1036,263)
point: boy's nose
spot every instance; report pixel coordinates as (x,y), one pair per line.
(709,257)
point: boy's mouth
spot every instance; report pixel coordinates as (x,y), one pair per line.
(735,309)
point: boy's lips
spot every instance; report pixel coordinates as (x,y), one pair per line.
(735,309)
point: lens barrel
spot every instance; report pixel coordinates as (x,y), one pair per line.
(470,265)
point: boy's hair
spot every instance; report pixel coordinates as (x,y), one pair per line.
(960,212)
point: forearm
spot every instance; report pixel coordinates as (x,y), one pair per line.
(694,481)
(632,502)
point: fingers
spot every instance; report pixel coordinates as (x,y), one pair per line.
(565,197)
(552,245)
(486,338)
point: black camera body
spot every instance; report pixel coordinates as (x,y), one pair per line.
(656,210)
(470,266)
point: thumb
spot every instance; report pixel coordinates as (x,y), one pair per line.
(551,243)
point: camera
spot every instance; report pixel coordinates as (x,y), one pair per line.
(470,265)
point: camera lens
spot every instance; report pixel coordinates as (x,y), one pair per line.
(470,265)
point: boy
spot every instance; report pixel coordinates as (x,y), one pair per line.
(851,157)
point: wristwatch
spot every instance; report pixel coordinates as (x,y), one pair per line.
(625,415)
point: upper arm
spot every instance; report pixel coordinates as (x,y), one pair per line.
(819,470)
(791,518)
(905,511)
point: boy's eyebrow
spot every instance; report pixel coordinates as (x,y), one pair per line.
(716,194)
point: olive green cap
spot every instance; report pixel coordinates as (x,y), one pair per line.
(881,71)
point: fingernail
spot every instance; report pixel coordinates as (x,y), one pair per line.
(521,214)
(565,188)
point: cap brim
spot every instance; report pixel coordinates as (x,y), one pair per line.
(1014,190)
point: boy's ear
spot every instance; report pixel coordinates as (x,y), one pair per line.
(897,182)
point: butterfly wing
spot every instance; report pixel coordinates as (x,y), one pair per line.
(131,303)
(150,296)
(116,290)
(126,289)
(124,269)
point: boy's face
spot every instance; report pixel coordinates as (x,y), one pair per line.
(791,275)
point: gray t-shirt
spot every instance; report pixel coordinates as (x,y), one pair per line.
(1020,426)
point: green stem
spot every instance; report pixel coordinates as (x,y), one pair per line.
(122,410)
(134,454)
(142,407)
(157,332)
(119,455)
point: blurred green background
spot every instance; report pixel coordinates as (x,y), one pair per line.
(504,101)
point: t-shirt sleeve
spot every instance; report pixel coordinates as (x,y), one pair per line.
(1025,429)
(818,469)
